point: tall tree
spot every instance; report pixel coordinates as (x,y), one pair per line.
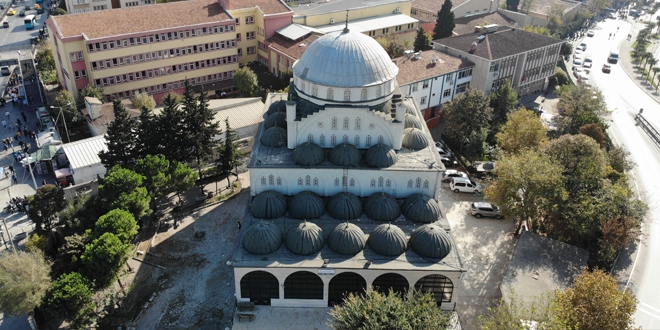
(143,100)
(44,206)
(246,80)
(444,24)
(24,280)
(596,301)
(422,42)
(149,134)
(182,178)
(582,161)
(172,140)
(103,259)
(88,91)
(69,298)
(579,106)
(394,47)
(201,127)
(120,139)
(119,222)
(522,131)
(512,5)
(123,189)
(527,186)
(230,153)
(375,310)
(503,101)
(595,132)
(65,102)
(467,114)
(155,170)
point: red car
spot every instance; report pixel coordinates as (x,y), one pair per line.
(607,68)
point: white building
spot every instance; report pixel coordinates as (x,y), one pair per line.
(84,161)
(81,6)
(344,159)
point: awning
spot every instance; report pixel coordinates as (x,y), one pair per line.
(63,173)
(47,152)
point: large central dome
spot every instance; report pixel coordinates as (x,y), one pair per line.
(345,59)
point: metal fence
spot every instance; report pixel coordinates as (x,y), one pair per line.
(25,45)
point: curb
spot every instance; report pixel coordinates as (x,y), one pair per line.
(631,74)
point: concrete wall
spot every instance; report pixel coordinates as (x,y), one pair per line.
(524,19)
(353,14)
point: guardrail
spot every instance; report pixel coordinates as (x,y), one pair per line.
(648,128)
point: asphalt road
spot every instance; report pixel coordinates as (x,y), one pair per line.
(637,267)
(16,34)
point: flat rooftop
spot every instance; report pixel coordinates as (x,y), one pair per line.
(412,70)
(331,6)
(368,24)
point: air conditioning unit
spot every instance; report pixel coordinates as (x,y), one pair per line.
(397,10)
(496,74)
(332,21)
(451,82)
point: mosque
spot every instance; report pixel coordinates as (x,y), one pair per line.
(345,178)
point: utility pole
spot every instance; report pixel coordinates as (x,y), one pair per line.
(11,242)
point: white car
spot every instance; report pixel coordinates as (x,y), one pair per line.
(448,174)
(583,79)
(590,33)
(578,52)
(577,71)
(464,185)
(577,60)
(587,64)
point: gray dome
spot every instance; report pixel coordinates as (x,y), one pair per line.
(306,205)
(306,238)
(268,205)
(308,154)
(277,106)
(412,122)
(430,241)
(262,238)
(380,155)
(347,238)
(274,137)
(388,240)
(420,208)
(344,206)
(382,207)
(346,59)
(414,138)
(277,119)
(345,154)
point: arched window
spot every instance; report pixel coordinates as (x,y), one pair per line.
(357,123)
(440,286)
(418,183)
(368,142)
(279,181)
(271,180)
(380,139)
(410,183)
(379,91)
(334,122)
(356,141)
(303,285)
(426,184)
(380,182)
(373,183)
(263,180)
(260,287)
(307,180)
(315,90)
(345,122)
(310,138)
(352,182)
(300,181)
(322,140)
(363,95)
(345,138)
(388,183)
(333,140)
(316,181)
(347,95)
(331,94)
(337,182)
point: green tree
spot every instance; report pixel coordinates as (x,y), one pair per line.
(120,139)
(46,60)
(619,159)
(507,314)
(123,189)
(554,25)
(467,114)
(394,47)
(69,298)
(172,139)
(422,42)
(444,24)
(149,135)
(561,76)
(201,127)
(526,5)
(68,255)
(80,214)
(44,206)
(58,11)
(89,90)
(595,132)
(24,280)
(65,100)
(512,5)
(182,178)
(596,301)
(582,161)
(503,101)
(230,153)
(103,259)
(375,310)
(118,222)
(596,6)
(527,186)
(566,49)
(579,106)
(155,170)
(38,243)
(143,100)
(522,131)
(137,202)
(245,80)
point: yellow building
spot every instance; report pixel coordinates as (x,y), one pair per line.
(154,49)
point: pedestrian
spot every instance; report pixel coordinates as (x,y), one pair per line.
(24,116)
(11,168)
(4,124)
(8,116)
(19,122)
(13,176)
(25,102)
(43,183)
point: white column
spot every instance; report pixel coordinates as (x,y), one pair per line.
(291,130)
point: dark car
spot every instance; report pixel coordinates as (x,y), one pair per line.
(22,13)
(607,68)
(40,10)
(27,8)
(634,13)
(448,162)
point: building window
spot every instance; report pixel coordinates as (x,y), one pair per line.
(418,183)
(356,141)
(345,122)
(263,180)
(380,182)
(379,91)
(337,182)
(331,94)
(333,140)
(357,123)
(465,73)
(388,183)
(415,87)
(271,180)
(368,142)
(307,180)
(352,182)
(316,181)
(460,88)
(363,94)
(300,183)
(422,102)
(345,139)
(373,183)
(322,140)
(410,183)
(249,20)
(315,90)
(310,138)
(347,95)
(446,93)
(425,84)
(426,184)
(334,123)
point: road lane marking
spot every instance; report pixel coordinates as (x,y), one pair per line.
(648,313)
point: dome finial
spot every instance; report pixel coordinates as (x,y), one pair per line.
(346,27)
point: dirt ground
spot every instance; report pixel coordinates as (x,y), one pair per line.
(183,280)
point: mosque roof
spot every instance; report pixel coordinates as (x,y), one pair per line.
(347,238)
(345,154)
(412,121)
(274,137)
(306,205)
(268,205)
(388,240)
(344,206)
(382,207)
(308,154)
(430,241)
(306,238)
(420,208)
(263,237)
(276,119)
(380,155)
(414,138)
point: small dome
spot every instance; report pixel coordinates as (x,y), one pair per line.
(345,154)
(262,238)
(308,154)
(277,106)
(412,122)
(268,205)
(277,119)
(274,137)
(414,138)
(344,206)
(420,208)
(347,238)
(388,240)
(306,205)
(382,207)
(430,241)
(306,238)
(380,155)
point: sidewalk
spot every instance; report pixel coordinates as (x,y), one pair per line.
(629,67)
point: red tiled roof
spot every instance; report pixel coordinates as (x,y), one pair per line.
(294,49)
(411,70)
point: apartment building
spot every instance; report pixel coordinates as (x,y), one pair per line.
(82,6)
(432,78)
(526,59)
(155,49)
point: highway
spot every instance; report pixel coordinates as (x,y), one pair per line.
(639,266)
(16,34)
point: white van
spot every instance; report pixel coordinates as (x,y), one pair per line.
(614,57)
(464,185)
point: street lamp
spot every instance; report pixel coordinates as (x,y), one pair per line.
(26,162)
(63,120)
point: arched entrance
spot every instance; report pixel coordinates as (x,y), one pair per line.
(303,285)
(260,287)
(343,284)
(440,286)
(396,282)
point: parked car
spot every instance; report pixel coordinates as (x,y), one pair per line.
(577,60)
(607,68)
(27,8)
(591,33)
(484,209)
(587,62)
(5,71)
(448,161)
(583,79)
(20,236)
(40,10)
(22,13)
(11,12)
(464,185)
(633,13)
(5,24)
(578,71)
(449,174)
